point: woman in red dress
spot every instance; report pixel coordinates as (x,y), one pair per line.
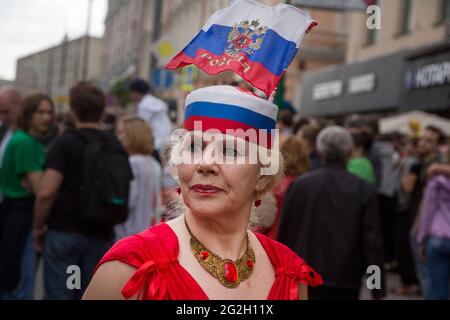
(209,252)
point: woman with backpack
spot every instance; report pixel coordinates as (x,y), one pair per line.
(143,202)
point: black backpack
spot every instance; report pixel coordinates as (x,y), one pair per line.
(102,197)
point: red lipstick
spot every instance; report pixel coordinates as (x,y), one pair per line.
(205,188)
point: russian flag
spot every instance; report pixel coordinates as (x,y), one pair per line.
(255,41)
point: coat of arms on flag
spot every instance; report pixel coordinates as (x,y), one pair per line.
(248,41)
(256,41)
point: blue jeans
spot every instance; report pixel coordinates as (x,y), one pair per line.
(28,267)
(18,256)
(420,265)
(437,252)
(69,260)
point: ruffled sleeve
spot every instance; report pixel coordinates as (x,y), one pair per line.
(290,271)
(154,253)
(297,273)
(145,282)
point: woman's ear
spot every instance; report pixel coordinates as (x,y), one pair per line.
(262,184)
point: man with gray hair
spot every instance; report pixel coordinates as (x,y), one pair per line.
(331,218)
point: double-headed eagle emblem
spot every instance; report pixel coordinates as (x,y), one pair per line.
(245,37)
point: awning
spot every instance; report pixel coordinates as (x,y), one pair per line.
(405,122)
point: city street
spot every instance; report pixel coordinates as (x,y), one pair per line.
(174,129)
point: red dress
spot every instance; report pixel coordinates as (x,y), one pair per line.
(159,275)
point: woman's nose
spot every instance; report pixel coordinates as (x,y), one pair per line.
(208,163)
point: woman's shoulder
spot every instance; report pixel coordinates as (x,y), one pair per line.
(439,181)
(288,262)
(157,243)
(278,252)
(144,162)
(360,162)
(20,138)
(130,260)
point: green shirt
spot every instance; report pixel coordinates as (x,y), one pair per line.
(362,167)
(24,154)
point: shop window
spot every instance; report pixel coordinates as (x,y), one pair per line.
(445,7)
(407,17)
(372,36)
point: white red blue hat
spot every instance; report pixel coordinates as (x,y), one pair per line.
(227,108)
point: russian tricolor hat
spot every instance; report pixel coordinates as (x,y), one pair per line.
(228,109)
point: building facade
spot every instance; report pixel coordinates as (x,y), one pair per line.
(127,39)
(53,71)
(324,46)
(405,25)
(403,66)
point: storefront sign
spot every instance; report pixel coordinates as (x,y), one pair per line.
(428,76)
(327,90)
(366,86)
(339,5)
(362,84)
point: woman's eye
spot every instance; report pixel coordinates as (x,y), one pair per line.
(195,148)
(230,152)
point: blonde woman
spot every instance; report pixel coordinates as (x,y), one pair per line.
(136,137)
(209,252)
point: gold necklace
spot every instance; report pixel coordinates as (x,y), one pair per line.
(229,273)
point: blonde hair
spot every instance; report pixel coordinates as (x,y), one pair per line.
(296,161)
(139,135)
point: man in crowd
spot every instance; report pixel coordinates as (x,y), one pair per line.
(152,110)
(307,136)
(331,219)
(383,158)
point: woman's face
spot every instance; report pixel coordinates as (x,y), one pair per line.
(42,117)
(121,135)
(210,188)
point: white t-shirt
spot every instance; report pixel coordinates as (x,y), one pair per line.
(3,145)
(154,111)
(144,197)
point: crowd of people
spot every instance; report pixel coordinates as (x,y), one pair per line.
(369,199)
(52,175)
(349,198)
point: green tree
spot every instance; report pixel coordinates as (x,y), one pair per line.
(120,91)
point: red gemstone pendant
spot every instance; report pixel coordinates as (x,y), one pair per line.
(204,255)
(250,263)
(230,272)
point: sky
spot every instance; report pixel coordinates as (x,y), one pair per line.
(29,26)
